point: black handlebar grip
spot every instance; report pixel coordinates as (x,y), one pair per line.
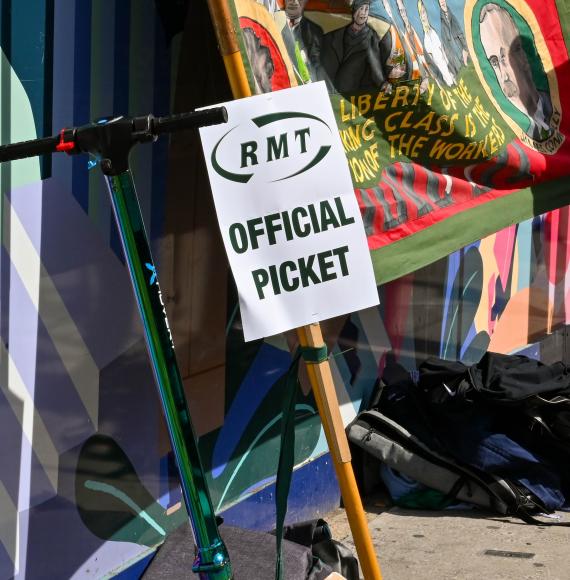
(26,149)
(190,120)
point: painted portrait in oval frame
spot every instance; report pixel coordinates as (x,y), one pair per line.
(515,67)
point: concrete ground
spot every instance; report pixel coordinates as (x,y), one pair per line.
(460,545)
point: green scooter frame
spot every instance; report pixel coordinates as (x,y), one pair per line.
(111,140)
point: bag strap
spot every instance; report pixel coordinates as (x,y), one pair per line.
(311,355)
(530,504)
(523,514)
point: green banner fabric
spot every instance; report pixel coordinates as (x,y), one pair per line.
(451,112)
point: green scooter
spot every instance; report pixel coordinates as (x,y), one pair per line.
(111,140)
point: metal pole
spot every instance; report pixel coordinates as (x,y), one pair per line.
(212,561)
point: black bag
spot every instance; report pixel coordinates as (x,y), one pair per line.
(393,445)
(390,443)
(497,379)
(316,534)
(532,398)
(252,555)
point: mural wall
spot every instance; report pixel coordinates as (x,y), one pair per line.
(501,293)
(75,385)
(87,484)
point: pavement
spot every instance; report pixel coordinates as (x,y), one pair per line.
(459,545)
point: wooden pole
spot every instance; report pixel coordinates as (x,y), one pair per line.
(327,403)
(319,374)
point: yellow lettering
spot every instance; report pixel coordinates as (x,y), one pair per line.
(381,101)
(368,133)
(406,120)
(343,116)
(438,149)
(419,144)
(425,121)
(388,119)
(401,96)
(364,104)
(451,129)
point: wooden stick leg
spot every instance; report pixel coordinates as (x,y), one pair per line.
(327,404)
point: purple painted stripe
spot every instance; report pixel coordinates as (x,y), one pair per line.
(22,325)
(41,489)
(27,203)
(11,410)
(56,398)
(7,569)
(92,282)
(42,371)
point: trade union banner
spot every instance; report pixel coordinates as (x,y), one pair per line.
(452,114)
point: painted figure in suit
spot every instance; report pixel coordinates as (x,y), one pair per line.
(302,38)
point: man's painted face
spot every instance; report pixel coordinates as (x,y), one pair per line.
(360,15)
(503,47)
(443,5)
(294,8)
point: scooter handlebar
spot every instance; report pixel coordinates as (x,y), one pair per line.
(191,120)
(89,138)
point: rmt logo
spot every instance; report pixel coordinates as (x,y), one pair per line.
(302,144)
(276,147)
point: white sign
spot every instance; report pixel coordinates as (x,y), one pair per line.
(287,211)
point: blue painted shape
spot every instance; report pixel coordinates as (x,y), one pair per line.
(135,571)
(314,493)
(267,367)
(41,487)
(475,244)
(63,93)
(173,494)
(363,384)
(524,246)
(121,36)
(82,92)
(452,268)
(27,202)
(120,418)
(466,343)
(26,43)
(532,351)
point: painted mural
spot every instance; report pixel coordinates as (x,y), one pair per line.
(88,487)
